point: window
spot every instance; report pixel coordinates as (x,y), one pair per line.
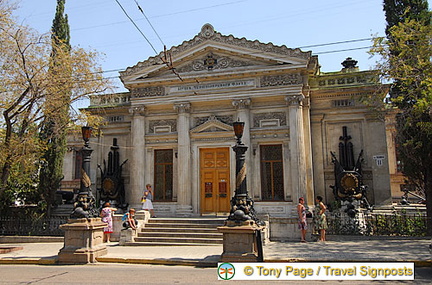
(272,184)
(163,184)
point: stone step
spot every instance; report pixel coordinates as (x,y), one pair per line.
(165,244)
(181,235)
(180,231)
(183,230)
(175,240)
(216,221)
(180,225)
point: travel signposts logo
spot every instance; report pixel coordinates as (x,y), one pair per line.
(226,271)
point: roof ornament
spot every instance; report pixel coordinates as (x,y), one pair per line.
(207,31)
(349,63)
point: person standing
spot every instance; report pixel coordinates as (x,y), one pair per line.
(302,223)
(147,199)
(320,221)
(106,215)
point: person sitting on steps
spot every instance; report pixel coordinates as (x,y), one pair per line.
(129,220)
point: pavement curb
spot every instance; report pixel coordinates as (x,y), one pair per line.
(196,263)
(31,261)
(419,263)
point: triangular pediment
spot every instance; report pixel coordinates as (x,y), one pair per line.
(212,125)
(209,53)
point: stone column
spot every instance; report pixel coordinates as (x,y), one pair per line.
(137,157)
(297,147)
(184,187)
(243,115)
(310,193)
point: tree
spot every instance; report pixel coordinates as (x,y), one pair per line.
(406,62)
(53,127)
(30,85)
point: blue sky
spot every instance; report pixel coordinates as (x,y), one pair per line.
(103,26)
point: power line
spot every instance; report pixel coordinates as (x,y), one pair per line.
(342,50)
(127,15)
(336,43)
(148,21)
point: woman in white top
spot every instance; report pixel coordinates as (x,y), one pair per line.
(146,200)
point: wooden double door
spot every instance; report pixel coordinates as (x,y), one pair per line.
(215,180)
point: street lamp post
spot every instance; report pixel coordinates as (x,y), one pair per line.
(241,204)
(83,239)
(242,240)
(84,206)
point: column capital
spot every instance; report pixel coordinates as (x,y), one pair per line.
(295,100)
(182,107)
(243,103)
(138,110)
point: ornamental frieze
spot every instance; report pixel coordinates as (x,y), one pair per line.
(162,123)
(148,91)
(280,116)
(280,80)
(344,80)
(211,62)
(224,119)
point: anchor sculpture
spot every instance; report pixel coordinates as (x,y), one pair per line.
(348,174)
(112,187)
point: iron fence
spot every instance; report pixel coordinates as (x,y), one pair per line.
(378,225)
(32,226)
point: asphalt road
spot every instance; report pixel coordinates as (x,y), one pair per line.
(148,274)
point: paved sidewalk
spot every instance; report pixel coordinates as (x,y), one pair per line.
(355,250)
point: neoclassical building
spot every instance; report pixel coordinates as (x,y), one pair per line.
(174,127)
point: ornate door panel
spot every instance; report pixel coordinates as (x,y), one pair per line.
(215,180)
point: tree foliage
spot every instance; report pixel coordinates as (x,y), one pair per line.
(31,88)
(53,127)
(406,61)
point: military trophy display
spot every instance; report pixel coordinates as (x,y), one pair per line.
(349,189)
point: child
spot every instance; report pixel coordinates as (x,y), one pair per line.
(129,220)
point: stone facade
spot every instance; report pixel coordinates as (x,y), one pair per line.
(175,126)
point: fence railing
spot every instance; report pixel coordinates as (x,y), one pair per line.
(369,225)
(32,226)
(378,225)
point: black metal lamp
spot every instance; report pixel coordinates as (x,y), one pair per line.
(86,134)
(238,130)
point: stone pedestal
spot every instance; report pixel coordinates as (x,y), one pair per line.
(127,235)
(240,242)
(83,241)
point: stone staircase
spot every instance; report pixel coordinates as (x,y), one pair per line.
(180,232)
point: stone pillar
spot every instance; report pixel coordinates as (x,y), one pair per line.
(310,192)
(243,115)
(242,243)
(184,187)
(137,157)
(83,241)
(297,146)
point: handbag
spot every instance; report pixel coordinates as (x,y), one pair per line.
(143,200)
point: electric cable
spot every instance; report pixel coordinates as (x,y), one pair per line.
(148,21)
(136,26)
